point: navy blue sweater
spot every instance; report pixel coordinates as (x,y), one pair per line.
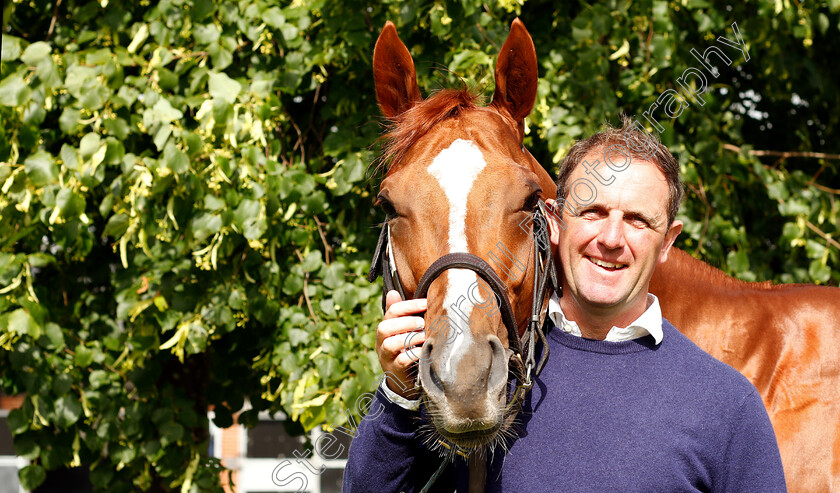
(603,416)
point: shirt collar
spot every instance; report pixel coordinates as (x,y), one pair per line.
(649,322)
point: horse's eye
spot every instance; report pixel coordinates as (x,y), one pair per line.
(387,206)
(531,202)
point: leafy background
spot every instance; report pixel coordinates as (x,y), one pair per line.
(186,214)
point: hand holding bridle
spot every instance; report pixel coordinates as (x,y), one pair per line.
(398,340)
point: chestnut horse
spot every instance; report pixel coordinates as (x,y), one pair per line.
(459,180)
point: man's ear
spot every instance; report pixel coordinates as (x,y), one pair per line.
(516,74)
(393,73)
(552,219)
(670,237)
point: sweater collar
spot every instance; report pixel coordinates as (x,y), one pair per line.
(650,322)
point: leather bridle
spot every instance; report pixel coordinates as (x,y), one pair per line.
(523,349)
(521,372)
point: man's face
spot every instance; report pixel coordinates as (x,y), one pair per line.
(608,252)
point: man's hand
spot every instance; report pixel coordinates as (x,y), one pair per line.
(398,340)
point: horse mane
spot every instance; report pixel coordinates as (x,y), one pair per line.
(406,129)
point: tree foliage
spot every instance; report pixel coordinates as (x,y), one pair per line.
(186,218)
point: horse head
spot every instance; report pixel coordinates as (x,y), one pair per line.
(459,180)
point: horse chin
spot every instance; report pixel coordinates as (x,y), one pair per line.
(465,433)
(472,440)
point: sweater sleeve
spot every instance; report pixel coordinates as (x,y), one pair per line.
(752,459)
(386,455)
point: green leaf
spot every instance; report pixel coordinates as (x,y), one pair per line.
(18,421)
(116,226)
(236,300)
(89,144)
(35,52)
(738,261)
(274,18)
(55,336)
(292,284)
(69,157)
(298,336)
(98,378)
(335,275)
(814,249)
(248,209)
(347,297)
(176,159)
(10,48)
(20,322)
(78,78)
(206,34)
(162,112)
(123,454)
(223,87)
(819,271)
(222,417)
(67,410)
(69,120)
(14,91)
(32,476)
(83,357)
(27,448)
(205,225)
(69,203)
(312,261)
(41,169)
(171,432)
(822,23)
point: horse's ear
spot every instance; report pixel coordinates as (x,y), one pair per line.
(516,73)
(393,73)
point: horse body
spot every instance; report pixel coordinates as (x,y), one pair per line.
(785,339)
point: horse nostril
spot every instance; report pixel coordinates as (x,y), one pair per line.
(435,379)
(498,364)
(496,345)
(427,351)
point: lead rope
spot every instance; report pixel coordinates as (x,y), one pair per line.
(437,473)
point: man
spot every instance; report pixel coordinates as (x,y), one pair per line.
(625,402)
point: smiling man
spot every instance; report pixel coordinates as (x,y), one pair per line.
(625,402)
(617,236)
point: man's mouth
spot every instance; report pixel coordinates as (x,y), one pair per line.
(606,265)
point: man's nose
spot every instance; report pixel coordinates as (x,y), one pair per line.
(612,232)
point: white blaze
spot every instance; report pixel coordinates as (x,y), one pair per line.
(456,169)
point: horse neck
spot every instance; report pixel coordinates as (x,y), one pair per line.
(684,283)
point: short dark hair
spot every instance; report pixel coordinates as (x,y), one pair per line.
(637,145)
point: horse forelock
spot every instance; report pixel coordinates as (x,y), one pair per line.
(405,130)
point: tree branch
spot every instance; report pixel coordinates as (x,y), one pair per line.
(305,285)
(52,22)
(784,154)
(820,232)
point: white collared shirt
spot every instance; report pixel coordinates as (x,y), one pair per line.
(649,322)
